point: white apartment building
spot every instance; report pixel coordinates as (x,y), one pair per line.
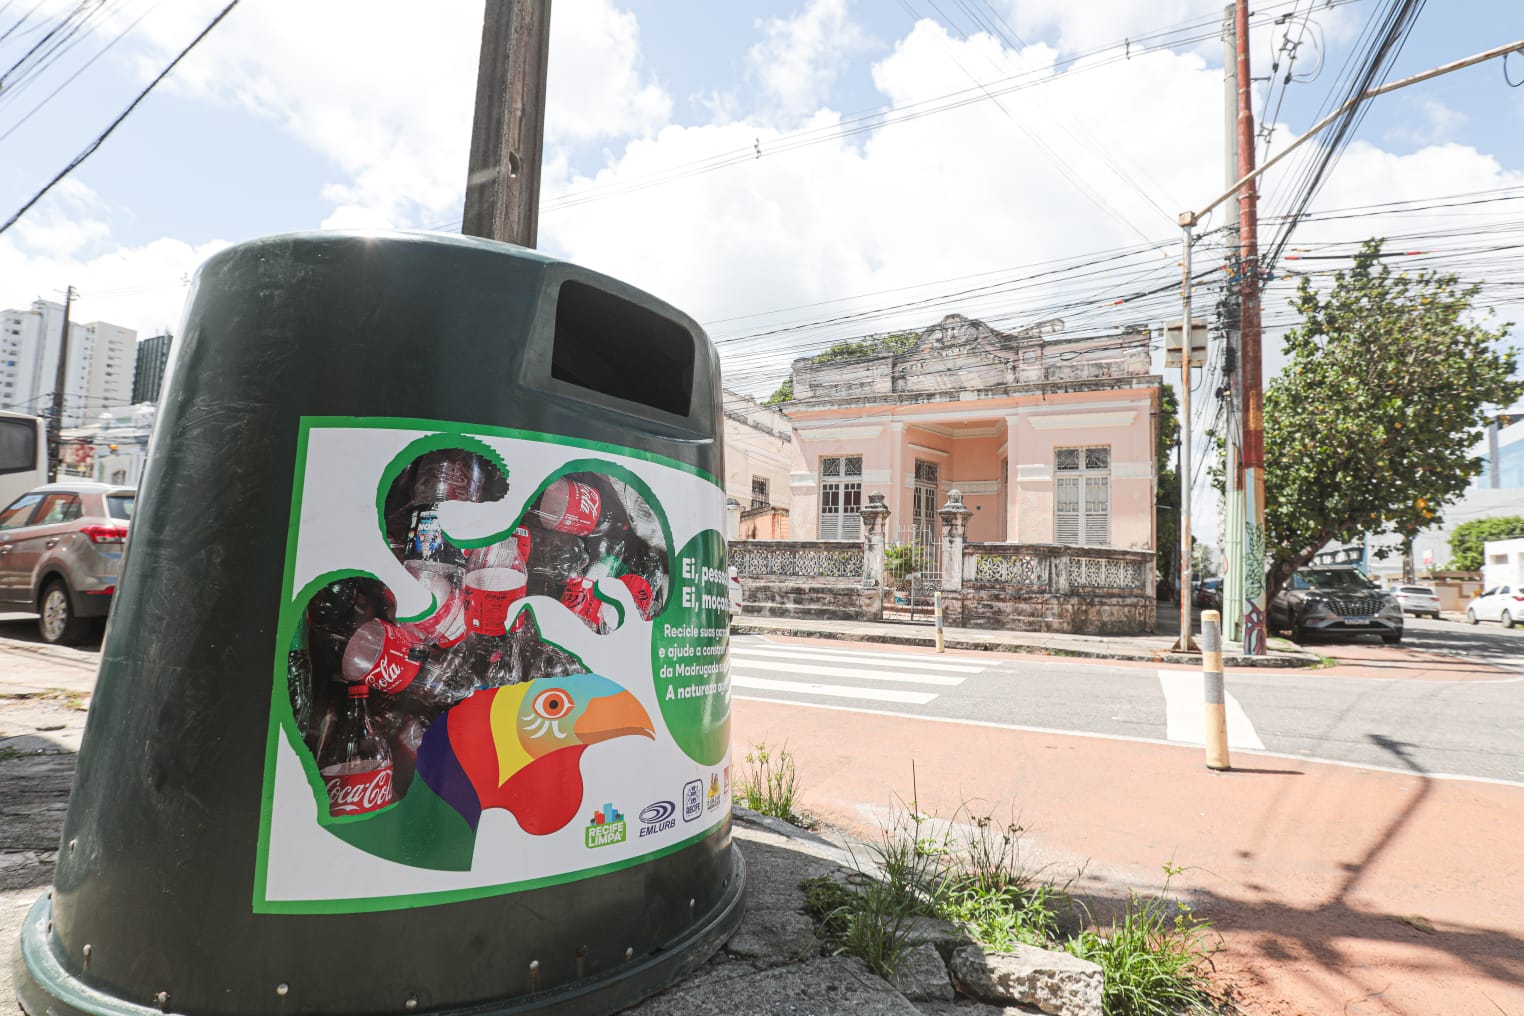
(99,371)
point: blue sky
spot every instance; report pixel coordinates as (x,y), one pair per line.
(305,116)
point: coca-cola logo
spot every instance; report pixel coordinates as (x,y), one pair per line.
(358,793)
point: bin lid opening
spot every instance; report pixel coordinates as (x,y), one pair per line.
(614,347)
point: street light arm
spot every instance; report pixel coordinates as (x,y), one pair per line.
(1513,47)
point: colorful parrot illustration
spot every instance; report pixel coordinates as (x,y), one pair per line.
(520,747)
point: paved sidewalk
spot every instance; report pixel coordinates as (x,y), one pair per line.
(1155,648)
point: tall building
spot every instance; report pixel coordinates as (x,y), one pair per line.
(153,357)
(98,373)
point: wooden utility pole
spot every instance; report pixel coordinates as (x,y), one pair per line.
(1251,359)
(60,377)
(508,132)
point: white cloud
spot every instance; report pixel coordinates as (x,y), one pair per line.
(386,90)
(801,57)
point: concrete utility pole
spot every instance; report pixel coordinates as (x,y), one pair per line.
(60,377)
(1251,360)
(1251,365)
(1233,551)
(1185,644)
(508,132)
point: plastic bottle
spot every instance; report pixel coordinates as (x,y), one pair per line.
(497,578)
(299,684)
(384,656)
(356,764)
(446,625)
(580,505)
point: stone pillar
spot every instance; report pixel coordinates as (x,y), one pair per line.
(875,516)
(954,527)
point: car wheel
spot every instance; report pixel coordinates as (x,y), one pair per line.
(57,622)
(1393,638)
(1507,619)
(1470,616)
(1298,634)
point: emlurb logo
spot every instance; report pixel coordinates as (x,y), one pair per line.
(605,827)
(657,817)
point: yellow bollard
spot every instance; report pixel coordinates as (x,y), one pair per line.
(937,599)
(1216,697)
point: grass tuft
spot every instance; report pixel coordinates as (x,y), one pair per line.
(769,784)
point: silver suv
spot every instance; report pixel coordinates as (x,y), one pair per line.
(61,552)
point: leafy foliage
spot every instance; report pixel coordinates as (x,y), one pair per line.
(1368,429)
(769,784)
(902,559)
(1468,539)
(848,349)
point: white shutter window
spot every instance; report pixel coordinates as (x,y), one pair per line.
(841,497)
(1066,520)
(1082,496)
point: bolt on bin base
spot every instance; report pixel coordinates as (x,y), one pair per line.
(45,988)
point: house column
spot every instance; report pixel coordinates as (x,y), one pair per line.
(875,516)
(954,525)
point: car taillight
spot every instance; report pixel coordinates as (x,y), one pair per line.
(105,534)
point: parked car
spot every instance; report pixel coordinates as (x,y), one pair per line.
(1417,600)
(61,552)
(1335,601)
(1208,594)
(1500,603)
(735,592)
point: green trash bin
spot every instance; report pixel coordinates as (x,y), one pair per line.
(414,697)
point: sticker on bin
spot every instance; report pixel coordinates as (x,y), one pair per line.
(527,631)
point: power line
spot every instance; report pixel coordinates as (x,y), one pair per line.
(90,148)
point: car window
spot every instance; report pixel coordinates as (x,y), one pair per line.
(1418,590)
(57,508)
(1488,592)
(19,511)
(1338,580)
(120,505)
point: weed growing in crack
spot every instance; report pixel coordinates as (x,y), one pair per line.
(770,783)
(1151,957)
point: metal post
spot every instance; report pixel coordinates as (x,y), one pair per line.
(937,599)
(1185,644)
(1216,698)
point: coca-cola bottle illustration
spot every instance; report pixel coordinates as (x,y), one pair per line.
(645,575)
(449,474)
(299,684)
(404,742)
(496,578)
(356,764)
(582,505)
(334,613)
(580,594)
(643,521)
(384,656)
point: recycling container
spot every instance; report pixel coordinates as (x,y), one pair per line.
(414,697)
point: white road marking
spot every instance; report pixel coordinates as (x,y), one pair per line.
(1185,713)
(828,656)
(751,644)
(860,673)
(918,698)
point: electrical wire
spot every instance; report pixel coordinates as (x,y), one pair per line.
(90,148)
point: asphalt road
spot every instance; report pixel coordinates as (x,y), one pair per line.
(1435,724)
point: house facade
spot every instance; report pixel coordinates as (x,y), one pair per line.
(1049,437)
(758,458)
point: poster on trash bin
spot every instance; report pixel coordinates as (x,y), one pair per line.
(501,664)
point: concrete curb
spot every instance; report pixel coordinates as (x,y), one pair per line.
(1282,659)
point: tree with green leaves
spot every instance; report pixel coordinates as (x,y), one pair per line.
(1370,426)
(1469,538)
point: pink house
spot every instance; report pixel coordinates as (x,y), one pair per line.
(1049,437)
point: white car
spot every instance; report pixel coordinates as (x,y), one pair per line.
(1417,600)
(735,592)
(1500,603)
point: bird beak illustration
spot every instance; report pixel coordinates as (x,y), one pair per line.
(610,716)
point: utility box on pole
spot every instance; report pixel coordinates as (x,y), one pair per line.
(1172,344)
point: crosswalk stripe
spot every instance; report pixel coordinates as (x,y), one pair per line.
(829,657)
(918,698)
(855,672)
(1185,712)
(859,654)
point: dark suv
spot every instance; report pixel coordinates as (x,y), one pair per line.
(1335,601)
(61,552)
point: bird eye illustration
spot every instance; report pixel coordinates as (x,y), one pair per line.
(553,704)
